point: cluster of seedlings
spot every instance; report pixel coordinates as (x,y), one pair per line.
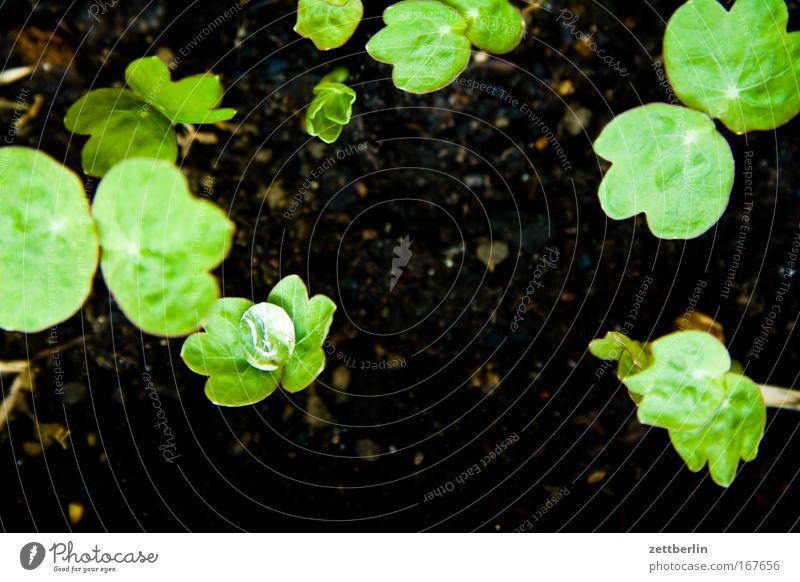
(739,66)
(156,244)
(428,43)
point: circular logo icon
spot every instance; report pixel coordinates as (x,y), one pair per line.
(31,555)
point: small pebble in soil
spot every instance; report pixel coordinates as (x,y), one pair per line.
(596,476)
(317,413)
(492,253)
(566,87)
(75,511)
(368,450)
(576,120)
(341,378)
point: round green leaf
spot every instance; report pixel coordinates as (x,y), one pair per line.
(426,42)
(670,163)
(734,432)
(121,125)
(329,24)
(683,386)
(48,242)
(739,66)
(495,26)
(158,245)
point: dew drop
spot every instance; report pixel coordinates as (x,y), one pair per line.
(267,335)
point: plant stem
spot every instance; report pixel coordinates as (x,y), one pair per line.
(14,367)
(23,381)
(777,397)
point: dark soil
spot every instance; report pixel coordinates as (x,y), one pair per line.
(362,449)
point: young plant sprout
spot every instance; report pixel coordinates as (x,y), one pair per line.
(247,350)
(429,42)
(332,106)
(663,153)
(738,66)
(48,242)
(328,23)
(158,244)
(138,122)
(686,382)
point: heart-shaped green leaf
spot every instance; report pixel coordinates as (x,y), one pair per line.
(312,320)
(740,66)
(191,100)
(158,245)
(121,125)
(682,388)
(328,23)
(426,42)
(331,108)
(495,26)
(220,353)
(48,243)
(734,432)
(670,163)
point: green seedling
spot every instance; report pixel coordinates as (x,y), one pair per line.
(430,42)
(331,108)
(248,349)
(48,243)
(739,65)
(158,244)
(686,382)
(670,163)
(328,23)
(139,122)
